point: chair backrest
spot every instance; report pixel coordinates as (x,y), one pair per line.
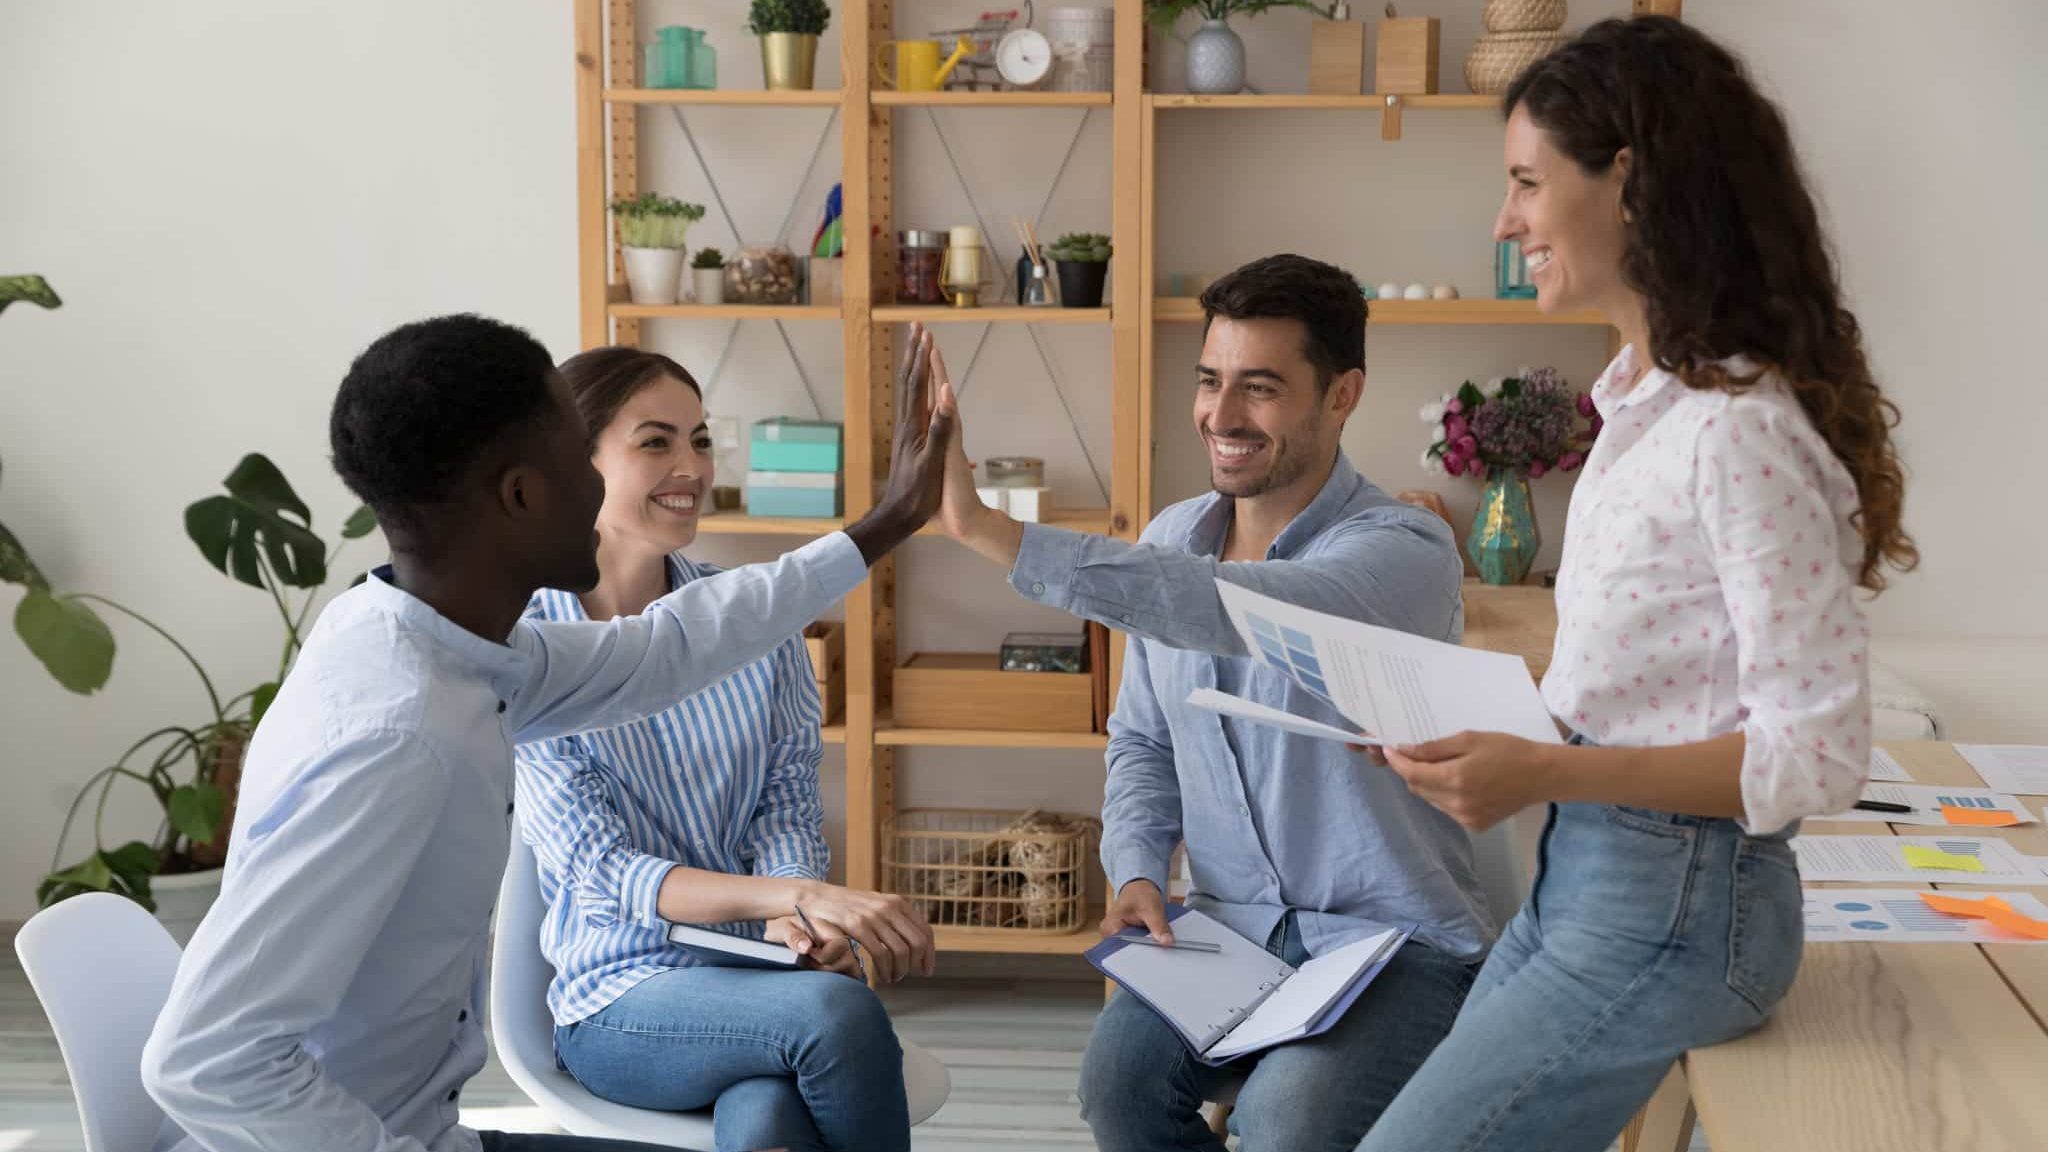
(520,973)
(102,967)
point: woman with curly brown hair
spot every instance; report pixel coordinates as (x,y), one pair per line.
(1711,653)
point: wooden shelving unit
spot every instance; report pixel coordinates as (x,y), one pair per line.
(607,100)
(724,97)
(1188,310)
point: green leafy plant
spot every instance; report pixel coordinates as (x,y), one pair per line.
(1167,13)
(651,220)
(708,258)
(259,533)
(27,290)
(804,17)
(1081,248)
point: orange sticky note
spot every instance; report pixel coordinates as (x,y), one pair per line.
(1981,817)
(1992,909)
(1959,905)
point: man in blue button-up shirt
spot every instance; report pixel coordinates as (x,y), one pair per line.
(331,999)
(1294,842)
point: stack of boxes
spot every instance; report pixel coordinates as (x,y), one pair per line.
(793,469)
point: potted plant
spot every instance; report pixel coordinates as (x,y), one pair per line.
(1084,265)
(707,276)
(258,532)
(652,228)
(789,31)
(1215,54)
(1517,430)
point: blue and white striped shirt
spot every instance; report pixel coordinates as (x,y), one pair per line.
(726,780)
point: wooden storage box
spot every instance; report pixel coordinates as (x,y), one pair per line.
(1336,58)
(1405,62)
(969,690)
(826,641)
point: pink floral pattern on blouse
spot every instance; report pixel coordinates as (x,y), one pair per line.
(1709,585)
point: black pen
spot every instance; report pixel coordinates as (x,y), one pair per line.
(1881,806)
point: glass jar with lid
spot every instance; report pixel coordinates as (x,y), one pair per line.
(764,275)
(920,264)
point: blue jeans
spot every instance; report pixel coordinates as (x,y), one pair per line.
(1142,1091)
(1648,934)
(805,1061)
(544,1142)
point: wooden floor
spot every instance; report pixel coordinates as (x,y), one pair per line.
(1013,1047)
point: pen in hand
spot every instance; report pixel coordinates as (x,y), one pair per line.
(1177,945)
(852,945)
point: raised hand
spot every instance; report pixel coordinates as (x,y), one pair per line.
(925,417)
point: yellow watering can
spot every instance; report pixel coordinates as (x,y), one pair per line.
(918,68)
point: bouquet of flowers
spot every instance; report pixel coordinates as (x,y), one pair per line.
(1528,424)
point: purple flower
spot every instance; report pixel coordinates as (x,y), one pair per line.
(1455,465)
(1536,469)
(1454,428)
(1585,406)
(1454,406)
(1570,461)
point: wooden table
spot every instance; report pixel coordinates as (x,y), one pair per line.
(1914,1047)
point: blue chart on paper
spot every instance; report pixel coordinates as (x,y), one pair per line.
(1985,802)
(1291,652)
(1912,914)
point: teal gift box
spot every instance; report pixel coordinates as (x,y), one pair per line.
(785,444)
(796,494)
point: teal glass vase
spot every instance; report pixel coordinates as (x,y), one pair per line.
(1504,540)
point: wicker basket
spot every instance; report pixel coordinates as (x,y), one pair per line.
(1497,59)
(975,868)
(1524,15)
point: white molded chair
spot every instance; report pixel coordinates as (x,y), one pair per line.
(102,966)
(524,1031)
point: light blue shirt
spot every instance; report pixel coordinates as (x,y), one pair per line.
(725,780)
(332,1000)
(1274,822)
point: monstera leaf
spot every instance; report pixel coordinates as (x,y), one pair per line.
(259,512)
(27,289)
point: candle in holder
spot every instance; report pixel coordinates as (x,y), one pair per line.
(966,261)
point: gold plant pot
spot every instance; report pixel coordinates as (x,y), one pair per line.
(789,60)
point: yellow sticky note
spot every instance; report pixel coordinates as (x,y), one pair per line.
(1922,857)
(1980,817)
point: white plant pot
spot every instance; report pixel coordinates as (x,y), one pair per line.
(654,274)
(182,901)
(709,284)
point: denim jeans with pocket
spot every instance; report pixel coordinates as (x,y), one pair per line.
(1648,934)
(803,1061)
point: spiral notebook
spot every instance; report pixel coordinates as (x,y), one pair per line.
(1242,999)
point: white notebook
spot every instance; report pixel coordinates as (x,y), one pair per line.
(1242,999)
(724,950)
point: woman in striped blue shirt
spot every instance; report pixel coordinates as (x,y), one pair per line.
(707,814)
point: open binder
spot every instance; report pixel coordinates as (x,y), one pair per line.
(1242,999)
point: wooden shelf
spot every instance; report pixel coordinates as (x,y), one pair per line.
(1015,941)
(1094,520)
(833,733)
(887,733)
(1477,310)
(728,97)
(993,314)
(886,99)
(1301,101)
(625,310)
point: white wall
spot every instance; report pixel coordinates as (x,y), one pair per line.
(233,199)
